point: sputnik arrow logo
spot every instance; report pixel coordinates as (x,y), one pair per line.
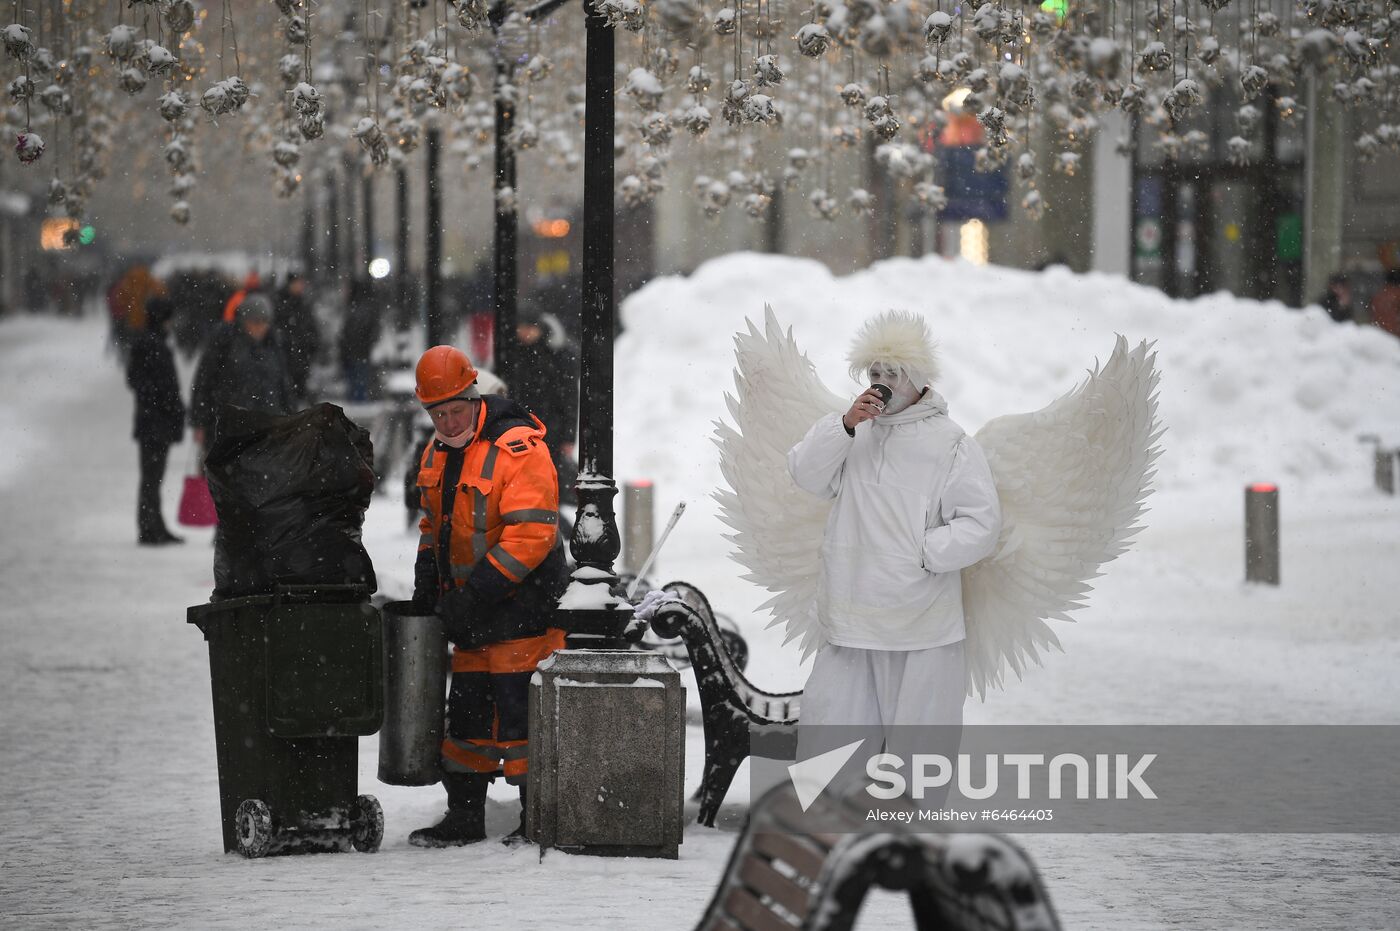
(811,776)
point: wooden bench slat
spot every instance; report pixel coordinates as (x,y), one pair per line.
(805,858)
(751,913)
(763,879)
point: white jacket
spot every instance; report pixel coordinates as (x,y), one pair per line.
(915,504)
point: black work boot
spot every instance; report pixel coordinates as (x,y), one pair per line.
(518,837)
(465,822)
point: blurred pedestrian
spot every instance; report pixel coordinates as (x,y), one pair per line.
(160,415)
(301,337)
(1339,301)
(1385,303)
(358,334)
(251,284)
(126,303)
(243,364)
(544,375)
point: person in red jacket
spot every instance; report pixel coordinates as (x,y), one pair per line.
(1385,304)
(491,564)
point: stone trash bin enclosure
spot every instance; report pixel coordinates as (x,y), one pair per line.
(607,754)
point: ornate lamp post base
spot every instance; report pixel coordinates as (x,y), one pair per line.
(593,615)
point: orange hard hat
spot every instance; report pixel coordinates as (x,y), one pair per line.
(445,373)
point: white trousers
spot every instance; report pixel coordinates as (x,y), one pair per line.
(879,690)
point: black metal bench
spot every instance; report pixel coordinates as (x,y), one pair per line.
(782,877)
(740,719)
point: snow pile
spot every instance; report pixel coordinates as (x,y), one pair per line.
(1250,391)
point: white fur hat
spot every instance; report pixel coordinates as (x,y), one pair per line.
(899,339)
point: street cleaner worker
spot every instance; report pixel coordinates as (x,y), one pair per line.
(490,563)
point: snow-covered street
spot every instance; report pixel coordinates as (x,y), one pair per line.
(110,799)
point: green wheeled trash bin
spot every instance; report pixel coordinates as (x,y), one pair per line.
(297,678)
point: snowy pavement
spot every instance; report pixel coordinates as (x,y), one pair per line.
(106,737)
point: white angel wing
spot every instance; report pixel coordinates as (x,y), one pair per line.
(777,526)
(1072,479)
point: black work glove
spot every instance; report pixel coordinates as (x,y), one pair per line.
(459,609)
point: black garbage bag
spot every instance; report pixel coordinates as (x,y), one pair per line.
(291,491)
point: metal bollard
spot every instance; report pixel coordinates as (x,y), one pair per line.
(1385,468)
(1261,562)
(415,694)
(638,524)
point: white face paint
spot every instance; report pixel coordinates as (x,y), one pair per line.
(903,391)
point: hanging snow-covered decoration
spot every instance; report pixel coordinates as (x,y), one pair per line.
(286,153)
(656,129)
(628,14)
(159,60)
(179,16)
(471,14)
(121,42)
(766,72)
(295,31)
(29,146)
(371,138)
(21,89)
(19,41)
(824,205)
(1253,80)
(993,120)
(696,120)
(937,27)
(1025,166)
(714,195)
(1181,99)
(725,23)
(180,212)
(930,195)
(644,88)
(172,106)
(853,95)
(525,136)
(756,204)
(58,193)
(1155,57)
(732,107)
(760,108)
(697,81)
(132,80)
(861,202)
(813,40)
(1238,149)
(290,68)
(1033,204)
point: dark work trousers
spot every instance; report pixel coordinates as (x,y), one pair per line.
(149,523)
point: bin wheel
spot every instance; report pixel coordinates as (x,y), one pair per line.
(366,824)
(254,825)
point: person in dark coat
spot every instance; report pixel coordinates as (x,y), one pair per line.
(358,335)
(300,334)
(1338,300)
(160,415)
(243,364)
(545,373)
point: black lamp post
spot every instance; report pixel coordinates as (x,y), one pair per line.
(432,253)
(595,542)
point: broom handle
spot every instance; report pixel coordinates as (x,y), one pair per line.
(651,557)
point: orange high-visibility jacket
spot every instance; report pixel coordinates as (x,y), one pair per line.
(504,504)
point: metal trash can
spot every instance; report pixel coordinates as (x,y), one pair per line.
(297,679)
(415,696)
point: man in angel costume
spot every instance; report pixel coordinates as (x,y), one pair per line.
(914,505)
(920,564)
